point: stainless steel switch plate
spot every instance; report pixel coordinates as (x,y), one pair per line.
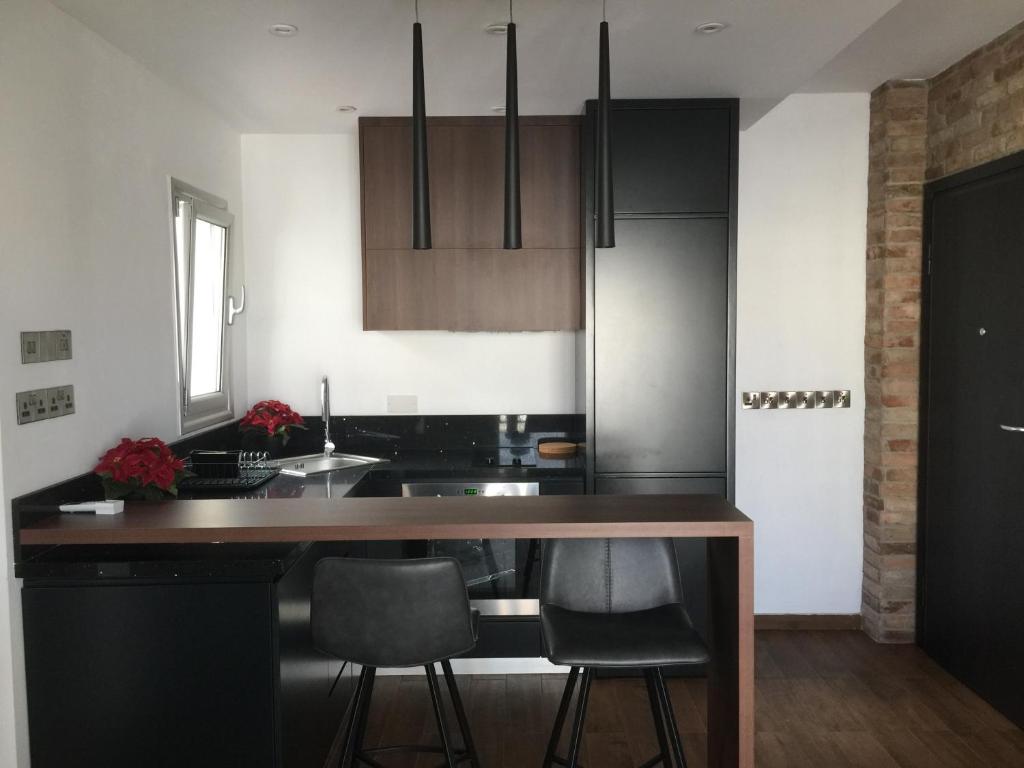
(841,398)
(60,401)
(824,398)
(62,345)
(787,399)
(29,347)
(769,400)
(751,400)
(805,399)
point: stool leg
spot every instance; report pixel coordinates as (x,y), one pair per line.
(460,714)
(363,715)
(658,715)
(442,728)
(670,717)
(581,714)
(563,708)
(352,723)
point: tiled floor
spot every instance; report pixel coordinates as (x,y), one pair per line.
(823,699)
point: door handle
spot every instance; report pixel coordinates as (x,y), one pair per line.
(1008,428)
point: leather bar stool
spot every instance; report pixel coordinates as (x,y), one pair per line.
(395,613)
(615,603)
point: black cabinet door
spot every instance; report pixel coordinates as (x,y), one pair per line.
(972,574)
(161,676)
(671,160)
(661,330)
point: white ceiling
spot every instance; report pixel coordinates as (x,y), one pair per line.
(359,51)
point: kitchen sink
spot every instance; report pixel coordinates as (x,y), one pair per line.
(316,463)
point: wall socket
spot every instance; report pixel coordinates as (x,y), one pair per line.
(796,399)
(44,346)
(42,404)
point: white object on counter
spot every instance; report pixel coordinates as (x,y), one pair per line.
(99,507)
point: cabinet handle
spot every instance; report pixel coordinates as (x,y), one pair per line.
(1008,428)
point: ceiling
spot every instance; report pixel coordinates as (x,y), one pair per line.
(359,51)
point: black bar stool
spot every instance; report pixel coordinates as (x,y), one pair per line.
(395,613)
(616,603)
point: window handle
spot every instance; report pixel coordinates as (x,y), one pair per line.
(1008,428)
(233,310)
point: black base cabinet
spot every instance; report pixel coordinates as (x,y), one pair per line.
(166,672)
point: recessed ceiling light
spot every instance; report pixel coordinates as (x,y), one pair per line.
(711,27)
(497,29)
(500,109)
(283,30)
(346,108)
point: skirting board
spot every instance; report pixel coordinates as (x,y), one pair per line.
(807,622)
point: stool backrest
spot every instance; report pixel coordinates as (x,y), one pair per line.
(391,613)
(610,575)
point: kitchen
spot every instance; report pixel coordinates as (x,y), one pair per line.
(110,107)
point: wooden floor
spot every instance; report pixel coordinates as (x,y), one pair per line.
(823,699)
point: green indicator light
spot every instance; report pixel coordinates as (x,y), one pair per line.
(470,491)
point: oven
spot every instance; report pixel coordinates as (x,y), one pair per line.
(502,575)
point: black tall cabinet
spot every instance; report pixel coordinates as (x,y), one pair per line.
(658,352)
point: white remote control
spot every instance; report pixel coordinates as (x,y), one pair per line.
(99,507)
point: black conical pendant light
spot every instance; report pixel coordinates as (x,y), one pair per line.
(513,217)
(420,177)
(604,236)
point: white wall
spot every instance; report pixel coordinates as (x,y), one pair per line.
(88,140)
(302,234)
(802,230)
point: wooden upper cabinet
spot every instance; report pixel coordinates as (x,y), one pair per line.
(467,281)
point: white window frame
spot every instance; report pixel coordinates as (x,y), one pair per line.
(202,411)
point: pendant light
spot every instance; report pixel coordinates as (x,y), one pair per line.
(420,178)
(513,217)
(604,236)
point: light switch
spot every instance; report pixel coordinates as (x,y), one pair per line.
(751,400)
(769,400)
(29,347)
(824,398)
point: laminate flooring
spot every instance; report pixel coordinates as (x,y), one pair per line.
(823,699)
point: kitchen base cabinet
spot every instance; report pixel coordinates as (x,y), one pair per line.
(169,672)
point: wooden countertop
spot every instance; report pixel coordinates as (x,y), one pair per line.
(353,519)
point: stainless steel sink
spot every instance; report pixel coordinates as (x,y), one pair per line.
(316,463)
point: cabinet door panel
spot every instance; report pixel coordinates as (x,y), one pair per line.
(661,347)
(464,290)
(671,160)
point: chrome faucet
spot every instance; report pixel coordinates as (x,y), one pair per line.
(325,408)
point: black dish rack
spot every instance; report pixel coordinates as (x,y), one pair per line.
(226,471)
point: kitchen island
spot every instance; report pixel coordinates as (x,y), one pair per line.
(337,522)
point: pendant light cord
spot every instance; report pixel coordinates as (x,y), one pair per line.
(604,10)
(417,2)
(510,19)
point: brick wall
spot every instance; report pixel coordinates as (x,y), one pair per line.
(896,170)
(976,107)
(963,117)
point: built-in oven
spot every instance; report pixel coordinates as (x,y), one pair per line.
(502,575)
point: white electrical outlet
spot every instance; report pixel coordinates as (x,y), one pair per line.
(403,404)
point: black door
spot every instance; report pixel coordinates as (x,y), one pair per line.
(972,537)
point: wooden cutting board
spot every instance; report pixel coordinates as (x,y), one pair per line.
(556,450)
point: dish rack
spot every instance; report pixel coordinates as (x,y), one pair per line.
(226,471)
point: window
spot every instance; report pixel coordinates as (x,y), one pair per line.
(202,235)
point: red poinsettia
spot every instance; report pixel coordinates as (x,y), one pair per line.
(273,417)
(145,467)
